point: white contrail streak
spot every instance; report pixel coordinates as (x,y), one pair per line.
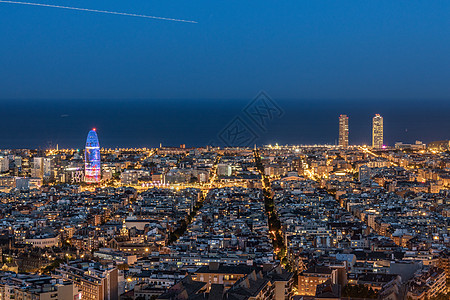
(97,11)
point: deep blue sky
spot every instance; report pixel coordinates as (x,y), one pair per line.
(292,49)
(318,59)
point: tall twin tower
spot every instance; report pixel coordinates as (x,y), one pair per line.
(377,131)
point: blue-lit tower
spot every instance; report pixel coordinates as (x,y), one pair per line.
(92,169)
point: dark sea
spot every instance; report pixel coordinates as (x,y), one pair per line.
(148,123)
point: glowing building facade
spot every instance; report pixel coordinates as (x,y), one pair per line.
(377,131)
(92,169)
(343,131)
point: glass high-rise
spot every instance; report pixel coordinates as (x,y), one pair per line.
(92,168)
(377,131)
(343,131)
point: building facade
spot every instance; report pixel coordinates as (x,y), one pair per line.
(309,279)
(36,287)
(92,168)
(95,281)
(343,131)
(43,241)
(377,132)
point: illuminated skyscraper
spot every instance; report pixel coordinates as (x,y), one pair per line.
(343,131)
(377,131)
(92,167)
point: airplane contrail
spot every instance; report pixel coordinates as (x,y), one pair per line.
(98,11)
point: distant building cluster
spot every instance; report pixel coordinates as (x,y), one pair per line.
(269,223)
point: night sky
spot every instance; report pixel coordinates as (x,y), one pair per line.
(63,71)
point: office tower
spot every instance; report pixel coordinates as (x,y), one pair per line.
(364,173)
(377,131)
(47,167)
(92,168)
(343,131)
(42,167)
(224,170)
(38,167)
(4,164)
(18,162)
